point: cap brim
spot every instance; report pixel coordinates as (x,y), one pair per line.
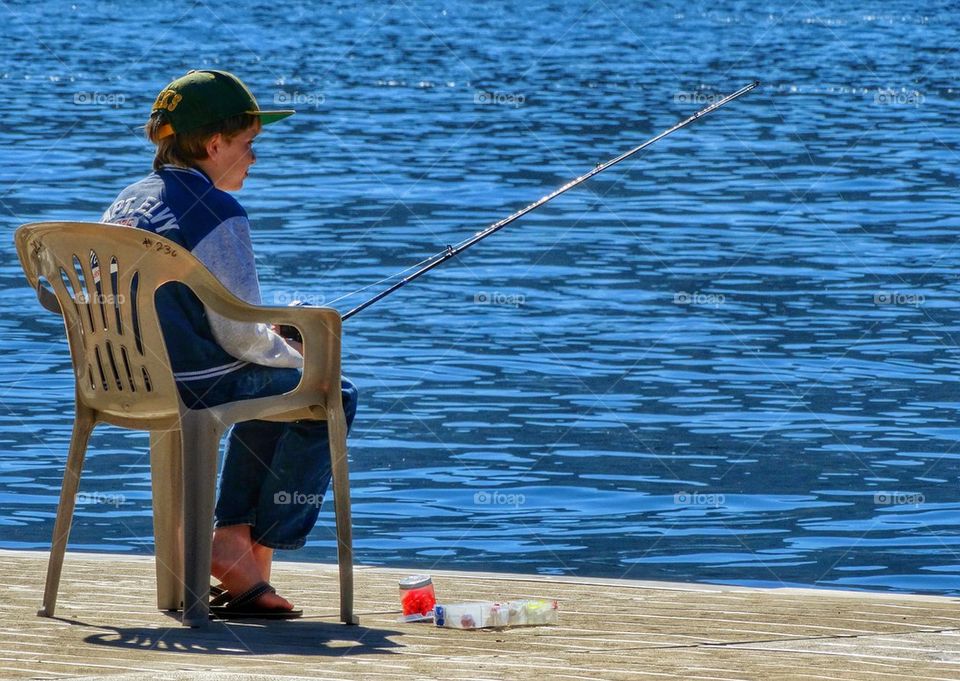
(267,117)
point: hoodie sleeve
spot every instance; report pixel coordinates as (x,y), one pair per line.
(227,252)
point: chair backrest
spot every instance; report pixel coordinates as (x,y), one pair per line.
(105,278)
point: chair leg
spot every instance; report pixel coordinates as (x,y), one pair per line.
(82,427)
(337,427)
(200,445)
(166,471)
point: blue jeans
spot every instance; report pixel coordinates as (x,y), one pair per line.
(274,474)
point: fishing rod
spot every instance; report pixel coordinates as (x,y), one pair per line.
(453,251)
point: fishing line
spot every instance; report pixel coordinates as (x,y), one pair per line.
(381,281)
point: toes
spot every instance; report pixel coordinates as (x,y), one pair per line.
(272,600)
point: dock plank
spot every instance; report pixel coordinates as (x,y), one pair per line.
(108,628)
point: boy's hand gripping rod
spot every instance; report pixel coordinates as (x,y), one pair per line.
(452,251)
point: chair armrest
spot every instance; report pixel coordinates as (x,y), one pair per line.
(319,327)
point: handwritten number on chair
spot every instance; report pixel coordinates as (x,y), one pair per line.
(159,247)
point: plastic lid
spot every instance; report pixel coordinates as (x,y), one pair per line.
(415,581)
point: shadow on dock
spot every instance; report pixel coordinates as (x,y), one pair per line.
(292,637)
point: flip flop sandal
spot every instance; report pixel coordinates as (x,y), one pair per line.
(219,595)
(243,606)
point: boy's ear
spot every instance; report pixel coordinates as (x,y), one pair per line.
(214,145)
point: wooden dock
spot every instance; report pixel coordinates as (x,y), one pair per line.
(107,627)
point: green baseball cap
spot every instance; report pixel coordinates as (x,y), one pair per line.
(202,98)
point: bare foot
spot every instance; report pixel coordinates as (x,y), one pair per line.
(235,565)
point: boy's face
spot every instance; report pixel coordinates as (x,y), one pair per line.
(229,159)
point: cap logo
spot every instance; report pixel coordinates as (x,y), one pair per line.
(167,100)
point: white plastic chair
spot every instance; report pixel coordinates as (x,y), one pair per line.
(123,377)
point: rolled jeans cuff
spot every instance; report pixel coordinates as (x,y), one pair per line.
(230,522)
(264,540)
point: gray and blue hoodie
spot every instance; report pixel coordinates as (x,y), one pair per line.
(183,205)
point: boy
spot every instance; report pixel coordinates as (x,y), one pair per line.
(203,126)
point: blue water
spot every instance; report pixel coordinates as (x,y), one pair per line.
(732,359)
